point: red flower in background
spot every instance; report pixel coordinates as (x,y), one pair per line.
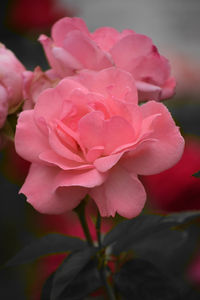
(176,189)
(29,15)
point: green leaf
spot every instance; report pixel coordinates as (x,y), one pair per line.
(48,244)
(139,279)
(136,228)
(86,282)
(143,227)
(69,270)
(197,174)
(47,287)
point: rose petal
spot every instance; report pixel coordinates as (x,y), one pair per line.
(42,194)
(63,26)
(111,82)
(122,193)
(29,140)
(166,148)
(90,56)
(85,178)
(131,46)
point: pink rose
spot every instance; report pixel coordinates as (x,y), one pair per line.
(88,135)
(34,83)
(73,48)
(10,82)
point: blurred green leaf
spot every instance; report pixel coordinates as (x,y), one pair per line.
(197,174)
(139,279)
(74,268)
(48,244)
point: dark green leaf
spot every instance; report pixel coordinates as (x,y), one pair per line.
(197,174)
(69,270)
(145,227)
(139,279)
(47,288)
(48,244)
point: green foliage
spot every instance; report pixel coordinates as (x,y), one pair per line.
(48,244)
(68,277)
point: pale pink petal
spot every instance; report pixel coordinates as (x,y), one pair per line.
(122,193)
(86,52)
(168,88)
(117,132)
(3,105)
(164,147)
(61,149)
(85,178)
(62,27)
(91,130)
(147,91)
(52,158)
(48,45)
(67,64)
(41,193)
(111,82)
(103,164)
(29,140)
(130,47)
(51,102)
(153,69)
(105,37)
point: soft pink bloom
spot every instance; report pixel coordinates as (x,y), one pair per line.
(73,48)
(10,82)
(34,83)
(88,135)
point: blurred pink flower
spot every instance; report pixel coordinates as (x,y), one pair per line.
(34,83)
(10,82)
(73,48)
(88,135)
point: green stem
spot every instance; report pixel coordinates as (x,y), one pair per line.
(109,290)
(98,228)
(80,210)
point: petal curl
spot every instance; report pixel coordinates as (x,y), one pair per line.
(164,144)
(41,193)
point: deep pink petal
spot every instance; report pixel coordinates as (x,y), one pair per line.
(163,147)
(44,196)
(122,193)
(29,139)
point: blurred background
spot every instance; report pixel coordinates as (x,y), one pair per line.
(174,27)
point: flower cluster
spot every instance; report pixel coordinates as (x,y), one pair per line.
(83,128)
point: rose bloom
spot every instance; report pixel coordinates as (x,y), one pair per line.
(176,189)
(88,135)
(73,48)
(11,82)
